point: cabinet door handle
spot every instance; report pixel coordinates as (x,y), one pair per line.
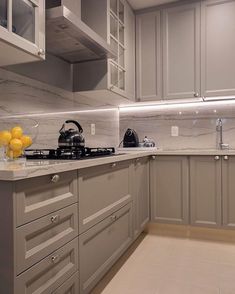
(55,258)
(113,218)
(113,165)
(137,160)
(216,157)
(196,95)
(55,178)
(226,157)
(41,52)
(153,157)
(54,218)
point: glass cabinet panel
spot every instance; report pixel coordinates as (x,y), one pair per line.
(3,13)
(113,26)
(121,11)
(121,33)
(114,46)
(113,6)
(121,79)
(23,19)
(114,74)
(121,61)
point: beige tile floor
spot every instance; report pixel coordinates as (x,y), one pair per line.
(166,265)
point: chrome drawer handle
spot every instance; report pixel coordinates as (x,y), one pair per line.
(225,157)
(54,218)
(217,157)
(41,52)
(196,95)
(55,258)
(153,157)
(113,165)
(55,178)
(113,218)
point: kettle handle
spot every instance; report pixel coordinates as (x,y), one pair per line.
(76,124)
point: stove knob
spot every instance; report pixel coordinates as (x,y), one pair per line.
(55,178)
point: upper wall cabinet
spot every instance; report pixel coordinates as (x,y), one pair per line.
(148,56)
(113,77)
(186,51)
(22,31)
(181,51)
(218,43)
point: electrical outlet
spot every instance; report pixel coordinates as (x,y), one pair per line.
(174,131)
(92,129)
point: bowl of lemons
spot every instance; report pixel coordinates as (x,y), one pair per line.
(14,141)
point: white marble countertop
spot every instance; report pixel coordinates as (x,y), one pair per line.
(17,170)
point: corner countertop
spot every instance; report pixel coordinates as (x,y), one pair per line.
(17,170)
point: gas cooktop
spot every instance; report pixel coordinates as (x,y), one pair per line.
(69,153)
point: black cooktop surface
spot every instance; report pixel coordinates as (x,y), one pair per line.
(69,153)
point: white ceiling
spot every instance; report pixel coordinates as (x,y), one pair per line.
(140,4)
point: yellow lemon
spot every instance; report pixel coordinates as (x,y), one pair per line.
(5,138)
(16,144)
(16,132)
(13,154)
(26,141)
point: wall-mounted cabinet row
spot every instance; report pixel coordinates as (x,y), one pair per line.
(196,190)
(186,51)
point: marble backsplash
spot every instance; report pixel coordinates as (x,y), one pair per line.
(195,131)
(30,103)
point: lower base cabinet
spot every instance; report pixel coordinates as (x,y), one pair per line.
(71,286)
(205,190)
(140,186)
(169,189)
(102,245)
(50,273)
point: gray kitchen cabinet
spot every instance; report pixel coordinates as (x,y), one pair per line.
(42,236)
(169,184)
(40,196)
(102,245)
(148,56)
(37,217)
(112,78)
(205,190)
(22,31)
(51,272)
(181,51)
(102,190)
(228,191)
(140,186)
(217,48)
(71,286)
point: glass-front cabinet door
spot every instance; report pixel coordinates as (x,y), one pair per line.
(117,66)
(22,26)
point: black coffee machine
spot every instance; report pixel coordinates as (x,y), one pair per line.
(130,139)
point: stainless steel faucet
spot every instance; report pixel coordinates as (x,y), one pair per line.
(219,129)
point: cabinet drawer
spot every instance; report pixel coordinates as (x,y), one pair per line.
(102,190)
(51,272)
(40,196)
(39,238)
(71,286)
(101,245)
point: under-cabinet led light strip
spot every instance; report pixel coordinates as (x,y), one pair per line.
(170,105)
(58,113)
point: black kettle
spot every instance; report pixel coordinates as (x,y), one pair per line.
(71,137)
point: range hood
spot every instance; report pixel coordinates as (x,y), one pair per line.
(70,39)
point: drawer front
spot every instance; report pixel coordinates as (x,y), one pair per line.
(102,190)
(40,196)
(50,273)
(102,245)
(71,286)
(39,238)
